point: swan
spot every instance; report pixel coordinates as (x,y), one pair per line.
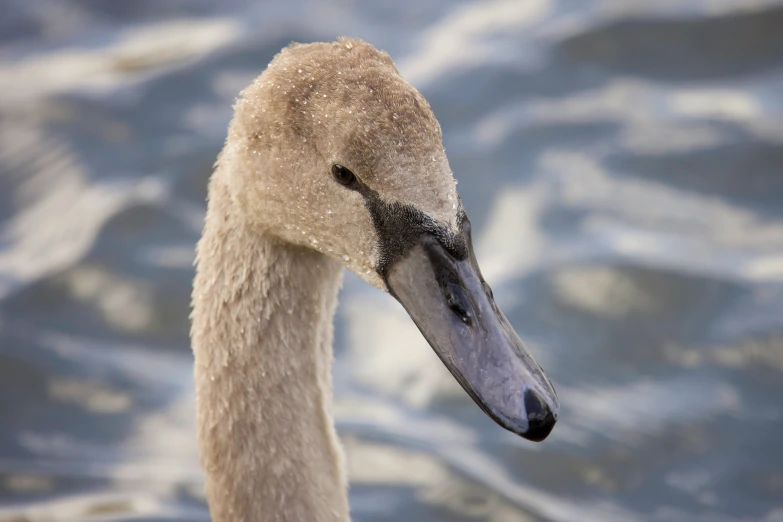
(332,160)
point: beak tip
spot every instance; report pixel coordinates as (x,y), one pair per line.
(540,418)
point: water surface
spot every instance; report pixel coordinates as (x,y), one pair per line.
(622,164)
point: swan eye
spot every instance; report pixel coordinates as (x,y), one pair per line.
(343,175)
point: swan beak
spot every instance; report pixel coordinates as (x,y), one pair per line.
(454,309)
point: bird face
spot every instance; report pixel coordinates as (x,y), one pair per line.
(337,153)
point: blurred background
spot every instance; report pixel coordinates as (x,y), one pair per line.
(621,161)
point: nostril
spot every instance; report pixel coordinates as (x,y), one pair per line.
(458,302)
(540,419)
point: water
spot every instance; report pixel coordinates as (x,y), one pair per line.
(621,162)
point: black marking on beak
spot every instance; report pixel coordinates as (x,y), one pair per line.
(400,226)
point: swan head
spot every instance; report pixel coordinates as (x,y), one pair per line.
(332,150)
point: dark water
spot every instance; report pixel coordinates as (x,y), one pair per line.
(622,163)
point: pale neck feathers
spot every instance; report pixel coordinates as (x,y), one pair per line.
(262,340)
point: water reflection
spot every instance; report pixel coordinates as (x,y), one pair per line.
(620,162)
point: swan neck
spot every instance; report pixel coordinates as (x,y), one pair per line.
(262,341)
